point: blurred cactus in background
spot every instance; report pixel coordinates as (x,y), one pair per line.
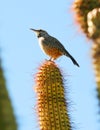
(51,103)
(81,9)
(7,119)
(93,22)
(87,15)
(94,33)
(96,65)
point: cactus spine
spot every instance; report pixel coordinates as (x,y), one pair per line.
(51,102)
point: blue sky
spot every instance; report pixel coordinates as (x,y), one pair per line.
(22,56)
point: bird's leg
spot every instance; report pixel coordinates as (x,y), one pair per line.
(50,59)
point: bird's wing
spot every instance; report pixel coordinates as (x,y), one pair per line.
(54,43)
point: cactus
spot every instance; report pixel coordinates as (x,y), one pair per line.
(94,33)
(88,16)
(93,22)
(96,64)
(51,103)
(81,9)
(7,119)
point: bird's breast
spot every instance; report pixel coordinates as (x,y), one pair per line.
(42,44)
(48,48)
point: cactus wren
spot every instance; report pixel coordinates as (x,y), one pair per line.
(51,46)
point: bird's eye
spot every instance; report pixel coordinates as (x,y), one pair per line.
(40,30)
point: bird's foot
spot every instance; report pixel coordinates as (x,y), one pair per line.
(51,60)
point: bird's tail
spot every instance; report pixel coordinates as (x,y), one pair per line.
(73,60)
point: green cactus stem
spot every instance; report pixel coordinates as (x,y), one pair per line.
(7,119)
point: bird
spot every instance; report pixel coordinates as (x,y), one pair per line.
(51,46)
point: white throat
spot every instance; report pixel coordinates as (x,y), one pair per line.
(41,42)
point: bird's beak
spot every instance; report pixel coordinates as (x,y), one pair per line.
(34,30)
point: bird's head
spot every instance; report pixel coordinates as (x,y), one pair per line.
(40,32)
